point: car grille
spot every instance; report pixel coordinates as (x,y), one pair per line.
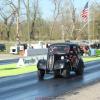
(50,62)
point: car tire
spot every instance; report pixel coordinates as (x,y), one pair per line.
(66,73)
(80,70)
(47,71)
(40,73)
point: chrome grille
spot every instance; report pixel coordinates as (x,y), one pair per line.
(51,61)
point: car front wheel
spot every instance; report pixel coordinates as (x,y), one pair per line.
(40,73)
(66,73)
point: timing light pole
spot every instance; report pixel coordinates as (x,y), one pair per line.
(88,21)
(28,22)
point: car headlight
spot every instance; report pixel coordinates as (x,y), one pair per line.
(62,57)
(61,66)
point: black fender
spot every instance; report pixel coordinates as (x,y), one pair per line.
(41,64)
(61,64)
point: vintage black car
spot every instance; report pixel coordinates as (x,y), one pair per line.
(61,58)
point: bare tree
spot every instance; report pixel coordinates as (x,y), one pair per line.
(56,12)
(12,16)
(1,31)
(72,10)
(34,16)
(35,5)
(7,24)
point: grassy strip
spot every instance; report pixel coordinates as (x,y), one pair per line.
(90,58)
(11,69)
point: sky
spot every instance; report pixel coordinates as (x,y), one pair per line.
(47,7)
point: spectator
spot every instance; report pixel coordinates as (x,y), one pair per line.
(25,46)
(87,50)
(81,50)
(47,45)
(97,45)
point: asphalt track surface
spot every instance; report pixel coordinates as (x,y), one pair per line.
(9,61)
(28,86)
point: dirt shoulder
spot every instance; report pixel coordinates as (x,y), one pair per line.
(10,56)
(87,92)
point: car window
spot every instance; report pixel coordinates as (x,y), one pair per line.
(73,49)
(59,48)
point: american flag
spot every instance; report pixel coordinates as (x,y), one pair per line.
(85,12)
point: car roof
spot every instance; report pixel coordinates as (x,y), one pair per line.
(70,44)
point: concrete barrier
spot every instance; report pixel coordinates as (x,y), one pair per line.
(32,52)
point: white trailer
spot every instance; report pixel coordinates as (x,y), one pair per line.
(15,49)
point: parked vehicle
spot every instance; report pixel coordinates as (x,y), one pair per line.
(67,41)
(2,47)
(61,58)
(86,42)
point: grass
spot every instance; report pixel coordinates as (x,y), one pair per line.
(11,69)
(4,52)
(90,58)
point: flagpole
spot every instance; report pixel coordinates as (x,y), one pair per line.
(88,23)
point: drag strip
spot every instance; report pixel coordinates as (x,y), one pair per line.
(9,61)
(28,86)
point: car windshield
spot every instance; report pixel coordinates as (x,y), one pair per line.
(59,48)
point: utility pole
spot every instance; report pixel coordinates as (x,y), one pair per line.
(28,22)
(88,23)
(93,29)
(18,20)
(62,25)
(62,32)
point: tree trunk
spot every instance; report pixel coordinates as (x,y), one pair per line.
(7,33)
